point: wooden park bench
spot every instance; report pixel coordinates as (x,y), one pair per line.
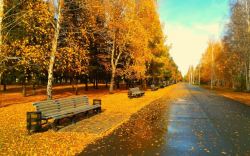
(135,92)
(154,87)
(163,84)
(63,108)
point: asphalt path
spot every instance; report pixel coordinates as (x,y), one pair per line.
(196,123)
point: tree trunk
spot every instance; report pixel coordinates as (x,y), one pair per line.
(53,52)
(106,83)
(76,87)
(61,80)
(86,84)
(1,19)
(0,81)
(71,81)
(33,89)
(247,78)
(117,83)
(112,81)
(96,82)
(93,81)
(248,88)
(233,84)
(24,89)
(4,87)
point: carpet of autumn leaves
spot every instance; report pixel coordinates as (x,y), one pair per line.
(238,96)
(242,97)
(13,94)
(117,109)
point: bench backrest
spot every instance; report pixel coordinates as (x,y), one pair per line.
(58,105)
(134,89)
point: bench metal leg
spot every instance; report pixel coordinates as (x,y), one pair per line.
(98,110)
(73,119)
(54,125)
(87,114)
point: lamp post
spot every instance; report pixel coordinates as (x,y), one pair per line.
(212,67)
(199,74)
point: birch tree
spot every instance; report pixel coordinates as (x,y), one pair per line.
(54,48)
(246,8)
(240,36)
(119,14)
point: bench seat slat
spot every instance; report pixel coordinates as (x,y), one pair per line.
(61,111)
(70,111)
(58,109)
(61,108)
(74,112)
(83,98)
(59,104)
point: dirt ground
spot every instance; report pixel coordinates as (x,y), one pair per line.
(117,109)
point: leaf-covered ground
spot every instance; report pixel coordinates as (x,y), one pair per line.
(13,95)
(242,97)
(238,96)
(117,109)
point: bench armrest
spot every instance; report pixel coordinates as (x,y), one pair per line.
(97,102)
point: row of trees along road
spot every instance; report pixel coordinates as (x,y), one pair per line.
(83,41)
(226,63)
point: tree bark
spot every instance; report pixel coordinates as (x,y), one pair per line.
(4,87)
(3,82)
(1,42)
(86,84)
(106,83)
(24,89)
(248,86)
(96,82)
(0,81)
(33,89)
(117,83)
(76,87)
(53,52)
(112,81)
(247,78)
(248,59)
(1,19)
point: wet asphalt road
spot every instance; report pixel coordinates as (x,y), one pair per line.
(198,123)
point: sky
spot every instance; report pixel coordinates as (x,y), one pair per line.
(189,25)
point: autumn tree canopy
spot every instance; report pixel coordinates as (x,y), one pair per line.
(226,63)
(84,41)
